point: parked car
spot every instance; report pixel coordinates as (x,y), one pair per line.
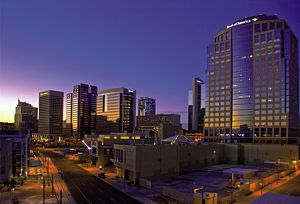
(101,175)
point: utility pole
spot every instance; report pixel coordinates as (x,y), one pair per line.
(48,171)
(44,185)
(60,196)
(52,185)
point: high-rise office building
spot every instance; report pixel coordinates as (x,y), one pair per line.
(81,110)
(116,109)
(69,103)
(147,106)
(50,113)
(195,113)
(26,118)
(252,92)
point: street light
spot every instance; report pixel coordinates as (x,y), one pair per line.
(201,189)
(44,185)
(261,187)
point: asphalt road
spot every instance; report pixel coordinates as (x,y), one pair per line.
(85,187)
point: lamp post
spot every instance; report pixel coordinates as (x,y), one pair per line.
(201,189)
(261,187)
(44,185)
(124,183)
(52,186)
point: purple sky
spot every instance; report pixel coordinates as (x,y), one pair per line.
(154,47)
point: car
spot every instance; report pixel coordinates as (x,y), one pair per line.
(101,175)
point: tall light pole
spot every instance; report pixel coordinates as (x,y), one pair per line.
(44,185)
(52,185)
(261,187)
(201,189)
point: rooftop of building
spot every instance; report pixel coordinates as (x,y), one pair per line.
(212,178)
(180,139)
(116,90)
(44,93)
(249,19)
(24,103)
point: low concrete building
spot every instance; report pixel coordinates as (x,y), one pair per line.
(20,153)
(101,146)
(158,161)
(133,162)
(6,159)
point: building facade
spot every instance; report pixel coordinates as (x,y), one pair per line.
(20,151)
(7,128)
(6,147)
(101,146)
(159,126)
(81,110)
(69,103)
(116,109)
(26,118)
(50,113)
(168,160)
(252,89)
(195,113)
(147,106)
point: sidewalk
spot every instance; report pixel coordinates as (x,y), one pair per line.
(141,195)
(266,189)
(30,192)
(58,182)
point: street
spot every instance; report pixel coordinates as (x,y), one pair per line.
(85,187)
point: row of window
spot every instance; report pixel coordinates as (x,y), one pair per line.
(271,117)
(222,37)
(226,108)
(267,26)
(222,47)
(261,123)
(218,119)
(217,125)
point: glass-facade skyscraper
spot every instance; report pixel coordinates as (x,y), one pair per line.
(50,113)
(147,106)
(81,110)
(195,113)
(116,110)
(252,89)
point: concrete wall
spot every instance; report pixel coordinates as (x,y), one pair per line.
(161,161)
(156,161)
(258,153)
(231,153)
(176,195)
(197,156)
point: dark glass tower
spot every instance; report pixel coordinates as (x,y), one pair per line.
(252,92)
(195,114)
(50,113)
(81,110)
(147,106)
